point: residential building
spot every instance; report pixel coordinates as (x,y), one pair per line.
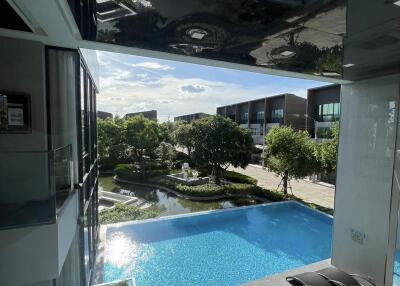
(150,114)
(48,191)
(262,114)
(48,167)
(190,117)
(104,115)
(323,110)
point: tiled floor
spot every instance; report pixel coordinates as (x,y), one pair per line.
(307,191)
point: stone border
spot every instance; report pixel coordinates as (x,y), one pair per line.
(194,198)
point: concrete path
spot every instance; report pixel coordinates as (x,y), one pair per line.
(307,191)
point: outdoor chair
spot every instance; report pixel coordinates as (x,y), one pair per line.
(330,276)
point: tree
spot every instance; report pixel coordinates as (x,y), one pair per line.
(166,132)
(219,142)
(326,151)
(166,152)
(289,154)
(184,136)
(111,145)
(142,135)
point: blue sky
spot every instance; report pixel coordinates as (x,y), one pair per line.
(131,83)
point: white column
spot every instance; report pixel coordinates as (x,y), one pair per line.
(364,177)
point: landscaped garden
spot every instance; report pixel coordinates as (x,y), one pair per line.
(190,161)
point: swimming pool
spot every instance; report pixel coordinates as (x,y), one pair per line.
(227,247)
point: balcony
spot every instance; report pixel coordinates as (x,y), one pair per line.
(39,212)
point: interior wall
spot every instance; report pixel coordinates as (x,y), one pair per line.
(22,71)
(22,175)
(364,176)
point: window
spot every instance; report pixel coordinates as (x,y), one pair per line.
(245,117)
(260,117)
(277,116)
(83,107)
(328,112)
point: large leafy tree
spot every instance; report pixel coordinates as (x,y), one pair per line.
(166,131)
(142,135)
(111,142)
(289,154)
(219,142)
(184,136)
(326,151)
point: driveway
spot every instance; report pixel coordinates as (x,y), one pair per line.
(307,191)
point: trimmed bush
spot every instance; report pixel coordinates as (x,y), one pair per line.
(205,190)
(121,212)
(236,177)
(131,172)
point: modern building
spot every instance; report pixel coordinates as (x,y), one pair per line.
(262,114)
(191,117)
(323,110)
(150,114)
(104,115)
(48,167)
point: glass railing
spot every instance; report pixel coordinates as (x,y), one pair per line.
(34,185)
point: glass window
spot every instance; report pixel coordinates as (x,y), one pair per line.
(260,117)
(328,112)
(276,115)
(83,108)
(245,117)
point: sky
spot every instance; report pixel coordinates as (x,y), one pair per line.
(132,83)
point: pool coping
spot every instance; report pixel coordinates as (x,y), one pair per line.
(200,213)
(99,260)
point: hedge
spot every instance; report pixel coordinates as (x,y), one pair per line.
(205,190)
(121,212)
(131,172)
(215,190)
(236,177)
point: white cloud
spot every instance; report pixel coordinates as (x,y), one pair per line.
(125,89)
(153,65)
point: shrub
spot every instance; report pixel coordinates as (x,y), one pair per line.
(235,177)
(132,173)
(121,212)
(201,190)
(182,156)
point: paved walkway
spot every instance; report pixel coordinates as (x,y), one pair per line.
(307,191)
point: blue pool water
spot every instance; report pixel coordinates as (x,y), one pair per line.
(219,248)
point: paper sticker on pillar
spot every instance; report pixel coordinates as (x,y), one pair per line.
(15,116)
(15,113)
(357,236)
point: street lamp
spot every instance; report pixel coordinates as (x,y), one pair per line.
(315,124)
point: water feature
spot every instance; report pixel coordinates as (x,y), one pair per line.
(170,203)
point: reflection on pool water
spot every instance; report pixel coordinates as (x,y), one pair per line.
(227,247)
(169,203)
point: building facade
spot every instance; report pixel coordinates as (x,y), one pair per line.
(104,115)
(262,114)
(191,117)
(323,110)
(150,114)
(48,166)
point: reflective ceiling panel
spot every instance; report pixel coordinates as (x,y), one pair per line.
(294,35)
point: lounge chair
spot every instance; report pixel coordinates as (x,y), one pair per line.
(330,276)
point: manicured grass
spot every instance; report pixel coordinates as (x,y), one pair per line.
(121,212)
